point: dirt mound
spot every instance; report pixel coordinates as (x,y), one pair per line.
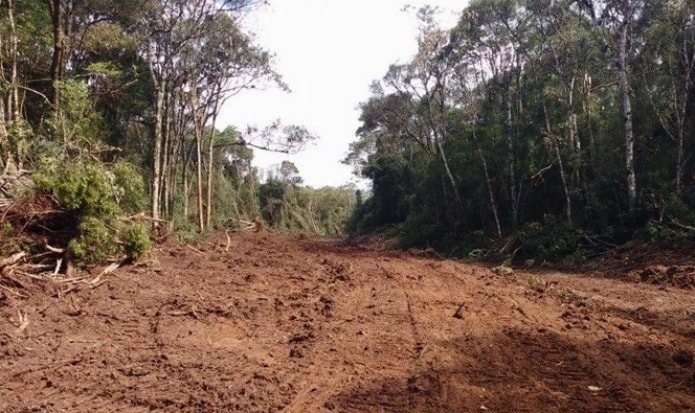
(647,263)
(267,323)
(680,276)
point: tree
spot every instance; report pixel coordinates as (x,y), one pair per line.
(424,82)
(58,63)
(615,20)
(289,173)
(495,32)
(669,57)
(198,57)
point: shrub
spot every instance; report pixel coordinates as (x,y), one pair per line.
(95,243)
(95,195)
(129,187)
(84,188)
(552,243)
(136,241)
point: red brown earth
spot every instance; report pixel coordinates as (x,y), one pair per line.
(281,324)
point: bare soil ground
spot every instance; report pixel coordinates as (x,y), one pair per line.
(281,324)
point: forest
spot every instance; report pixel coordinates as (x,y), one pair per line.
(533,129)
(536,129)
(521,241)
(107,129)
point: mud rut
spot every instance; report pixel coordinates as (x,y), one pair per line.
(278,324)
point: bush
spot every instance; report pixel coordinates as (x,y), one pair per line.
(95,243)
(129,187)
(553,243)
(669,237)
(136,241)
(84,188)
(95,195)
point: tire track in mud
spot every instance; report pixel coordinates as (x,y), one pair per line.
(564,373)
(332,276)
(396,387)
(354,305)
(278,324)
(413,386)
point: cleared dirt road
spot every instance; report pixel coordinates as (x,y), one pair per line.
(280,324)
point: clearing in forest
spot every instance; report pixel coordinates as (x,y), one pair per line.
(269,323)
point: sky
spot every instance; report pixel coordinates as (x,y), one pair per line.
(328,52)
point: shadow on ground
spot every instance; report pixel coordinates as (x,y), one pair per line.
(530,371)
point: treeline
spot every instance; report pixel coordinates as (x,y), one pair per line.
(542,128)
(107,114)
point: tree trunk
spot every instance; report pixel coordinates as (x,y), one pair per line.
(185,194)
(175,153)
(211,156)
(197,127)
(572,129)
(157,151)
(177,130)
(680,162)
(14,91)
(3,126)
(4,113)
(491,193)
(449,175)
(627,115)
(561,165)
(215,105)
(57,63)
(199,179)
(511,160)
(689,63)
(438,134)
(586,111)
(166,165)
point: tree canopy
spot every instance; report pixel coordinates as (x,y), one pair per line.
(109,107)
(564,124)
(541,127)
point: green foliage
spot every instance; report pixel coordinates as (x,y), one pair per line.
(96,242)
(103,69)
(187,232)
(459,154)
(6,230)
(271,196)
(76,122)
(96,195)
(668,236)
(552,243)
(462,151)
(287,207)
(21,141)
(136,241)
(332,207)
(83,187)
(363,218)
(129,187)
(664,203)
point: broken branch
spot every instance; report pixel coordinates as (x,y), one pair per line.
(111,268)
(13,259)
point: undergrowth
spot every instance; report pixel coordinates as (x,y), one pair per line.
(97,196)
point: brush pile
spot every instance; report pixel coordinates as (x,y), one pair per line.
(34,228)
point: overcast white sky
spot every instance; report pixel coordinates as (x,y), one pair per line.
(328,52)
